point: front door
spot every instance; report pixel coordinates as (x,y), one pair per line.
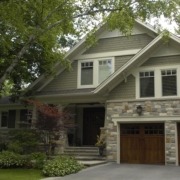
(142,143)
(93,119)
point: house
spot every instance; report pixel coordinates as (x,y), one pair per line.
(126,86)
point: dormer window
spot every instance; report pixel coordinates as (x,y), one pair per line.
(93,72)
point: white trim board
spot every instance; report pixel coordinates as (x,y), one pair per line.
(107,54)
(140,119)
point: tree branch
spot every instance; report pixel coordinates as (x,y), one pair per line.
(15,61)
(80,15)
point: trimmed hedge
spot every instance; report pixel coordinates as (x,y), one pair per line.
(61,166)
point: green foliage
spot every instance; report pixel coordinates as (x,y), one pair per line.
(11,160)
(23,141)
(61,166)
(37,160)
(31,31)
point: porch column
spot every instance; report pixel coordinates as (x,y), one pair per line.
(171,143)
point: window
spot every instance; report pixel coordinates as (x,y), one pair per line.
(4,119)
(93,72)
(146,84)
(169,82)
(105,70)
(87,73)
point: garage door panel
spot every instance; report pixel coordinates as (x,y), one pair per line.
(128,155)
(153,150)
(142,143)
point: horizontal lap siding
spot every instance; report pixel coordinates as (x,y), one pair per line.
(120,43)
(65,80)
(125,90)
(121,60)
(159,61)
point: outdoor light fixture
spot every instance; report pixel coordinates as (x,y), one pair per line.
(139,109)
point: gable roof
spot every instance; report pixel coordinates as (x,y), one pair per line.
(112,81)
(39,84)
(119,75)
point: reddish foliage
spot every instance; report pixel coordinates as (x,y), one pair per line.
(50,117)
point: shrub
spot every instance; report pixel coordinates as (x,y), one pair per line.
(37,160)
(11,160)
(23,141)
(61,166)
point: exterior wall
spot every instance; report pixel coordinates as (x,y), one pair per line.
(165,111)
(121,60)
(120,43)
(64,81)
(159,61)
(68,79)
(125,90)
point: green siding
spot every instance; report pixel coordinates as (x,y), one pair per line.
(159,61)
(125,90)
(65,80)
(121,60)
(120,43)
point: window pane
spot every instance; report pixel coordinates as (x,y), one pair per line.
(147,84)
(105,70)
(4,119)
(169,87)
(87,73)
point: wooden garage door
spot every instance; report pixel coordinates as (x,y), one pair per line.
(142,143)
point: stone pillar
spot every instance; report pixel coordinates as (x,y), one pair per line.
(170,143)
(111,148)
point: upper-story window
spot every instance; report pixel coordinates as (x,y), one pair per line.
(146,84)
(157,82)
(93,72)
(169,82)
(86,73)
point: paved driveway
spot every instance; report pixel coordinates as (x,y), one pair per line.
(113,171)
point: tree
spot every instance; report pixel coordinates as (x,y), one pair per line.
(33,32)
(50,121)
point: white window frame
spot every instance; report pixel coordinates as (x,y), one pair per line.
(157,81)
(95,71)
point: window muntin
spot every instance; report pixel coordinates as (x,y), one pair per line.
(105,69)
(146,84)
(87,73)
(169,82)
(93,72)
(4,119)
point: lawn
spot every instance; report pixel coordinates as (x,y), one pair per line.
(20,174)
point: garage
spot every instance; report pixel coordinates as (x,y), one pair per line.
(142,143)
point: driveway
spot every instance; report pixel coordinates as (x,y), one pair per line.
(113,171)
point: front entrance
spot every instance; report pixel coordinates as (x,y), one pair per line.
(142,143)
(93,119)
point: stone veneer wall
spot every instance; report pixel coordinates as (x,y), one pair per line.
(151,109)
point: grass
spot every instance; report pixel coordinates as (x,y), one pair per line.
(20,174)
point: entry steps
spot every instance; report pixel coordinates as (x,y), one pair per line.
(89,156)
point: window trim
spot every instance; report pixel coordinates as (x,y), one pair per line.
(157,81)
(95,71)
